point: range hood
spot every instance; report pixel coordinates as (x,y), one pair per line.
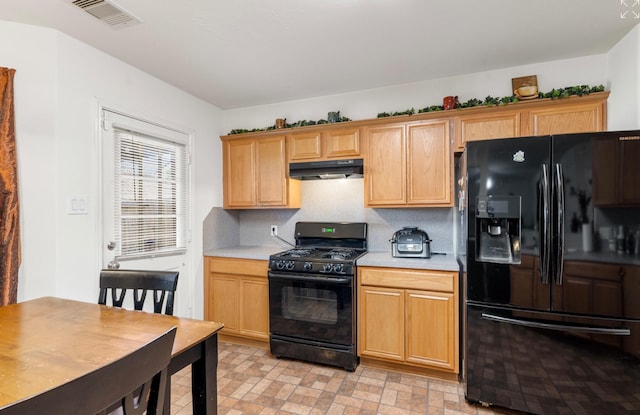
(331,169)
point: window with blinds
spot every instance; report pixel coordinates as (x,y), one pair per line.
(150,187)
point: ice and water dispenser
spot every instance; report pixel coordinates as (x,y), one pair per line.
(498,229)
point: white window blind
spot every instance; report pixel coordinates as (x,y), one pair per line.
(150,195)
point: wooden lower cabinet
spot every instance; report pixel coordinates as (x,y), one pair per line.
(381,328)
(237,295)
(409,316)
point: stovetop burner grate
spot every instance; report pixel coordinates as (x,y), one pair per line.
(323,253)
(299,252)
(339,254)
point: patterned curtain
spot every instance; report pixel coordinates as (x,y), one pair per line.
(9,212)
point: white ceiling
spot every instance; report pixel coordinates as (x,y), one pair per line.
(238,53)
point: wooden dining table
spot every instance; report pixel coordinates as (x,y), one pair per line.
(49,341)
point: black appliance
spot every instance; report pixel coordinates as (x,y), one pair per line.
(326,169)
(551,315)
(312,295)
(410,242)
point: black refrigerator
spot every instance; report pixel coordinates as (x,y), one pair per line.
(550,228)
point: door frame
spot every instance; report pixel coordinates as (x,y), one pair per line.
(187,292)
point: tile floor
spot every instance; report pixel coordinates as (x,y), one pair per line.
(251,381)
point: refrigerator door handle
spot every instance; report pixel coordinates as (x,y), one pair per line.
(559,248)
(543,209)
(558,327)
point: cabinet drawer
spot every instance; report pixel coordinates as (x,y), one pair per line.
(443,281)
(237,266)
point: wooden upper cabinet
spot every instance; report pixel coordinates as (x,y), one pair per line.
(255,174)
(385,177)
(305,146)
(501,124)
(342,143)
(566,119)
(536,117)
(271,168)
(324,144)
(239,173)
(409,164)
(429,179)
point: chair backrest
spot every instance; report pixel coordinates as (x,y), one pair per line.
(119,282)
(136,383)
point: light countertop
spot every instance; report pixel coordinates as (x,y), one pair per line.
(372,258)
(437,262)
(246,252)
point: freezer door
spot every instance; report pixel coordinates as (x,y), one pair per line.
(544,363)
(507,171)
(595,210)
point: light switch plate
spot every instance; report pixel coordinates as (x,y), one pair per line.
(77,205)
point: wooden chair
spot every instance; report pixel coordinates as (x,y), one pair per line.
(162,283)
(135,384)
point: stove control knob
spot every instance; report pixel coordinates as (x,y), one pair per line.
(327,267)
(280,264)
(338,268)
(307,266)
(290,265)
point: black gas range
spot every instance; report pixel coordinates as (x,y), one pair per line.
(317,260)
(312,296)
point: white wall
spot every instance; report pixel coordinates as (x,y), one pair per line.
(58,84)
(590,70)
(624,77)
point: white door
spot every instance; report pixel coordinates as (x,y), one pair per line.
(145,182)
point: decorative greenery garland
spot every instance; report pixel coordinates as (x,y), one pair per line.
(577,90)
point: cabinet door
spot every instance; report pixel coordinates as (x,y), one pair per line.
(565,119)
(305,146)
(605,163)
(385,170)
(522,282)
(239,173)
(593,288)
(342,143)
(504,124)
(271,169)
(254,315)
(236,294)
(381,330)
(429,172)
(617,167)
(629,173)
(431,333)
(224,306)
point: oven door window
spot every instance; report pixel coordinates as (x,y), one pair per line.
(313,305)
(311,310)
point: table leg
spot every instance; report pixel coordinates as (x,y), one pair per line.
(204,382)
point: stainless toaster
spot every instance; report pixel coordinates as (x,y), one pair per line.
(411,242)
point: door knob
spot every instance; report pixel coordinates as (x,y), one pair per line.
(111,246)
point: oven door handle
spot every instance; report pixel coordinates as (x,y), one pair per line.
(297,277)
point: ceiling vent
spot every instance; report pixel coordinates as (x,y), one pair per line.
(108,12)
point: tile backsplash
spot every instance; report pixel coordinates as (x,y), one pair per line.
(340,200)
